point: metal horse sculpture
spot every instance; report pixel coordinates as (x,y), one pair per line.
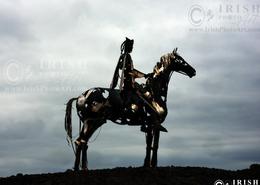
(97,105)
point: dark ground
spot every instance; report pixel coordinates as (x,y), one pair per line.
(138,176)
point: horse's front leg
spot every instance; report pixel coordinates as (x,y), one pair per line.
(155,147)
(149,137)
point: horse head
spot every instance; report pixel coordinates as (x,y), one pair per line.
(179,65)
(171,62)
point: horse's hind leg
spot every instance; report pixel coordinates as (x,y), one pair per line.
(149,137)
(81,151)
(77,155)
(80,146)
(84,156)
(84,146)
(92,126)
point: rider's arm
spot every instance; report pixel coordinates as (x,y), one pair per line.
(137,74)
(134,72)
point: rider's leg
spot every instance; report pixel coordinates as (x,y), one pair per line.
(126,110)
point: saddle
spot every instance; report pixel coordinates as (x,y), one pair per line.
(131,107)
(127,107)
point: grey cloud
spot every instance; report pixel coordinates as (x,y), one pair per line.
(13,27)
(213,118)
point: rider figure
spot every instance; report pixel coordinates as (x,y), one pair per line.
(127,84)
(129,89)
(125,63)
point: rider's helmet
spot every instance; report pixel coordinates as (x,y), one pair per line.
(127,45)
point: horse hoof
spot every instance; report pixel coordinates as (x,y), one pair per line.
(147,165)
(84,170)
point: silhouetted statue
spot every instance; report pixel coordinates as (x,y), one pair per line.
(132,104)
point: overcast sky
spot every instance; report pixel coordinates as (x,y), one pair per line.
(52,51)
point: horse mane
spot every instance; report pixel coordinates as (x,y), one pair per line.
(164,63)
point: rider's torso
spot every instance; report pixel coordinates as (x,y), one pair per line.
(128,79)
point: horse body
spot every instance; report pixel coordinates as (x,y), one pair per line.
(97,105)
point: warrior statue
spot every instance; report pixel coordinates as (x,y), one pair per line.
(142,105)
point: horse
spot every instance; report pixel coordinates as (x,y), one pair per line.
(98,105)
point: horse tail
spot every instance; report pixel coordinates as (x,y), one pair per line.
(67,123)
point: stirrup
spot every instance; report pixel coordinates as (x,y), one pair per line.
(160,128)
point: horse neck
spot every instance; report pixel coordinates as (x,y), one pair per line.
(160,86)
